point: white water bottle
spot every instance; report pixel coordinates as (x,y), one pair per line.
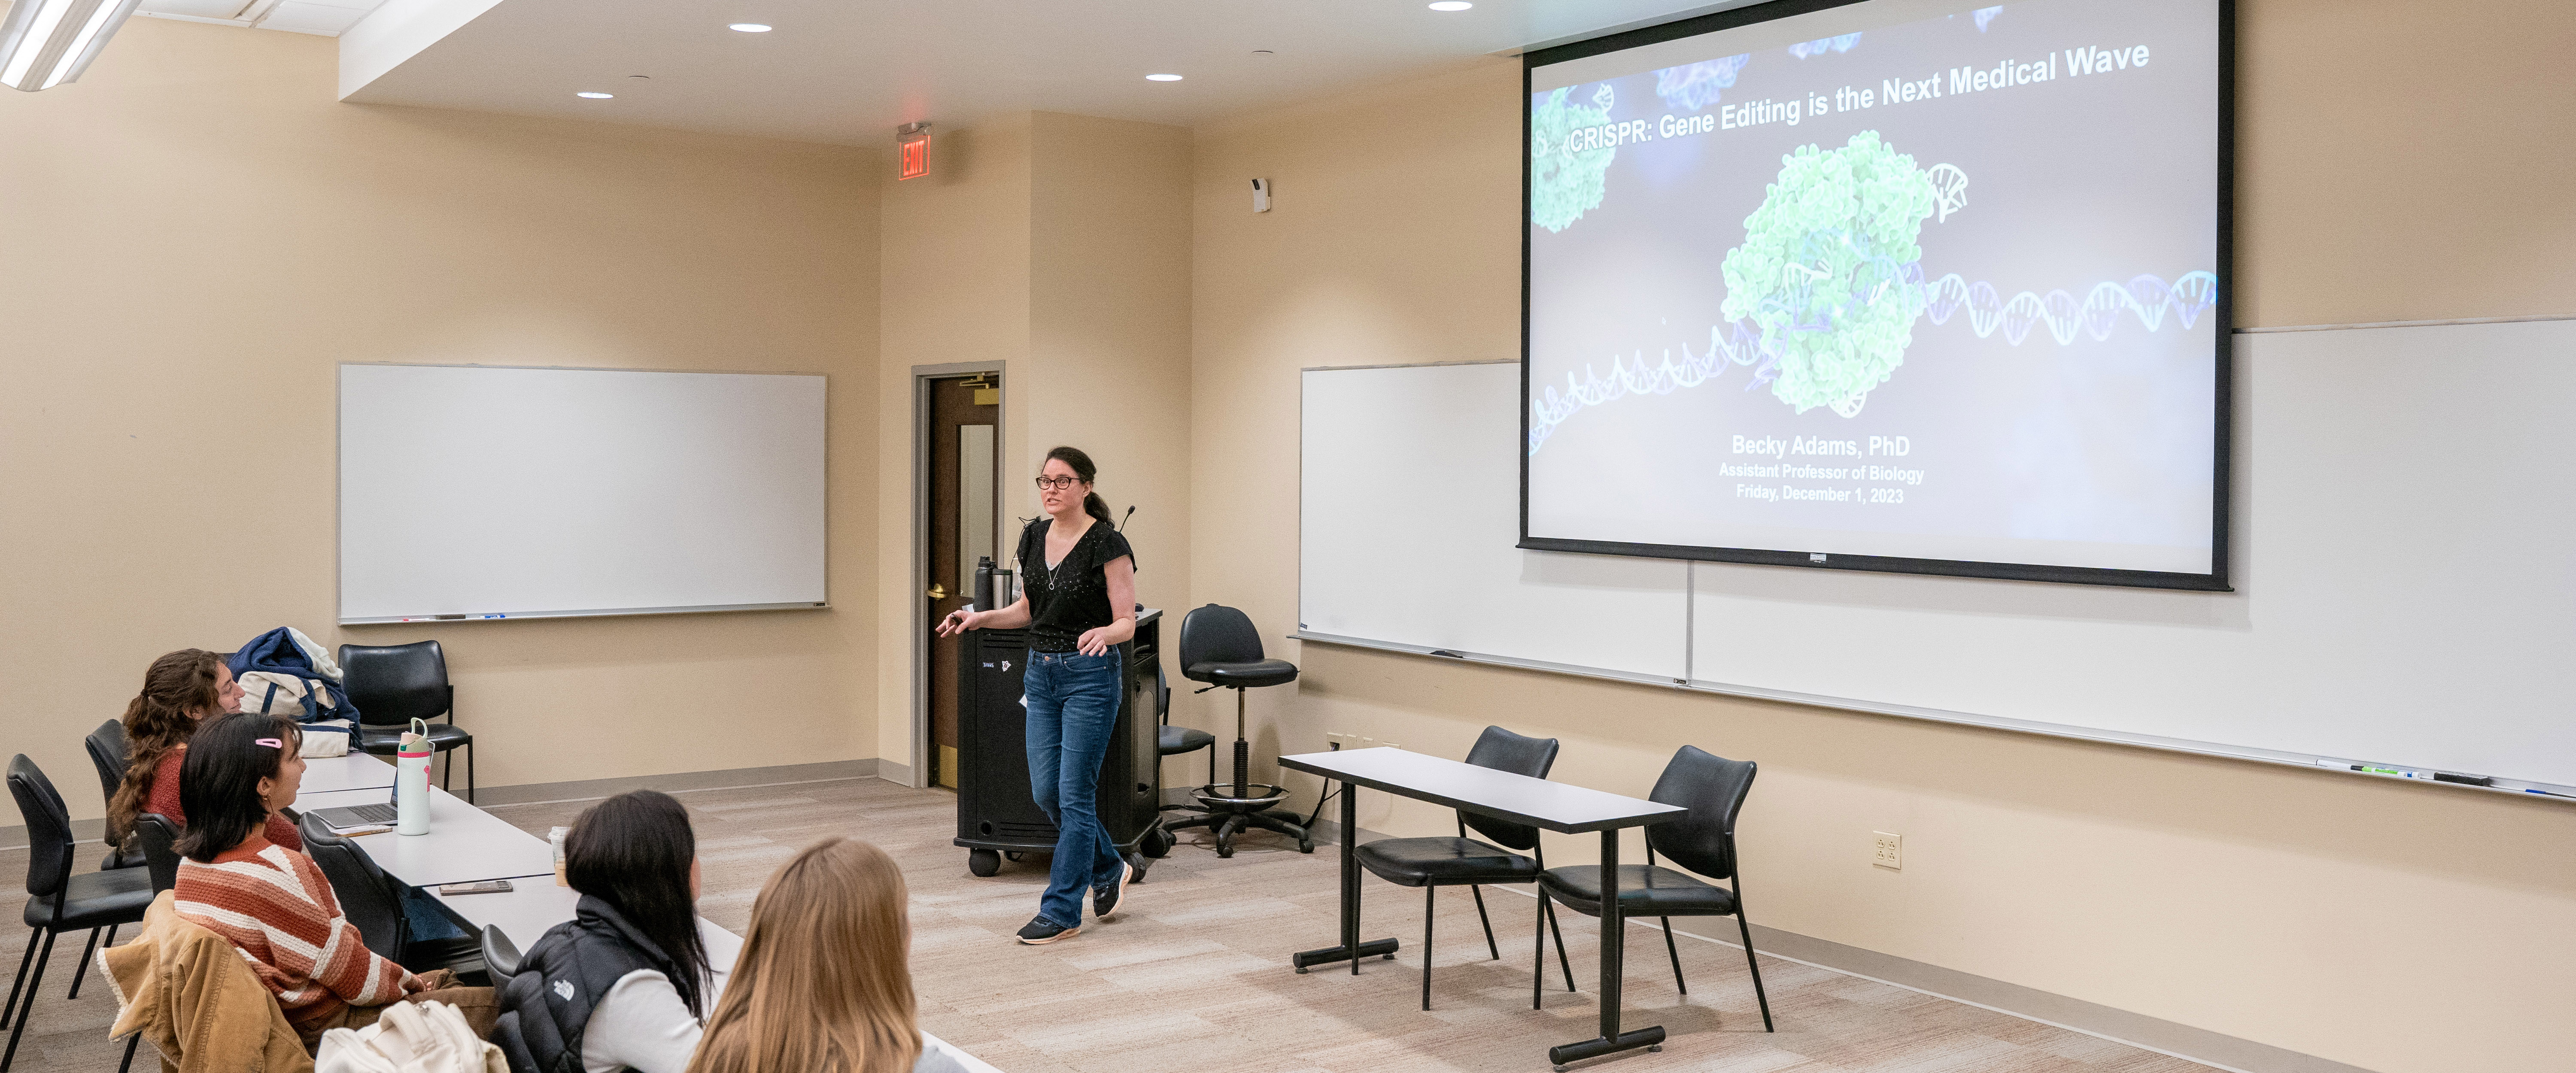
(411,781)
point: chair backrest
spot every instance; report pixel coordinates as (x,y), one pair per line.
(1216,634)
(1503,750)
(49,827)
(366,895)
(107,753)
(395,684)
(159,835)
(500,955)
(1713,789)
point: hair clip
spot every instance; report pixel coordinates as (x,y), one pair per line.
(272,743)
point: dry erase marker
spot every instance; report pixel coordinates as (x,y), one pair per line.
(2397,771)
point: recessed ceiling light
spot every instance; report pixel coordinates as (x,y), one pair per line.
(750,27)
(594,96)
(1451,5)
(1162,78)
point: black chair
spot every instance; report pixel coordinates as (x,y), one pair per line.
(1713,789)
(1433,863)
(500,955)
(106,747)
(373,901)
(159,838)
(57,900)
(1220,647)
(391,686)
(1170,741)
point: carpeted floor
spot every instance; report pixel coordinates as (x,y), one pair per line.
(1193,975)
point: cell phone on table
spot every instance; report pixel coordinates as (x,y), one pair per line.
(488,886)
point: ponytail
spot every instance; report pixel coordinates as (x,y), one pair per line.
(1098,508)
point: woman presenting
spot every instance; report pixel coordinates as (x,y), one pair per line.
(1078,602)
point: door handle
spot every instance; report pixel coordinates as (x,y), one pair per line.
(938,591)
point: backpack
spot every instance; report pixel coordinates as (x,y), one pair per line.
(282,672)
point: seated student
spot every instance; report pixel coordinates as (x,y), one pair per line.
(642,969)
(273,903)
(824,982)
(179,691)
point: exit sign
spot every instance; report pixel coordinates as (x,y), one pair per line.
(914,142)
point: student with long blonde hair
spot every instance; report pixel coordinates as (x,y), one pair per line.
(824,982)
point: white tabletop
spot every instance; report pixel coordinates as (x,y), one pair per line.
(523,913)
(356,771)
(1519,798)
(464,844)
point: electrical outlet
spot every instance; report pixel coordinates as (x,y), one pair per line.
(1337,739)
(1889,851)
(1368,743)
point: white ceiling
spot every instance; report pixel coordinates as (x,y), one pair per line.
(850,71)
(325,17)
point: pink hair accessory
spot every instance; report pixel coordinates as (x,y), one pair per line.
(272,743)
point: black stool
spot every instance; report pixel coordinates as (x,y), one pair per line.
(1220,647)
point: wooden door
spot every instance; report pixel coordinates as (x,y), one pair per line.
(965,448)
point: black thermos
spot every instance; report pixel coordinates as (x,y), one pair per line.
(985,578)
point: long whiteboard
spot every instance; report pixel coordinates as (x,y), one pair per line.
(1406,532)
(2405,595)
(472,492)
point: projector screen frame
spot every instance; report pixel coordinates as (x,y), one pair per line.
(2222,309)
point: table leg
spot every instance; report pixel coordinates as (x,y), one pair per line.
(1613,943)
(1307,959)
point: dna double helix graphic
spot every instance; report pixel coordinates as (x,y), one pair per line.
(2097,314)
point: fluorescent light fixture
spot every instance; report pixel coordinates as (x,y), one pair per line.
(1451,5)
(749,27)
(594,95)
(1162,78)
(45,43)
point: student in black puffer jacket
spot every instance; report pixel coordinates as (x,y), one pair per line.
(629,981)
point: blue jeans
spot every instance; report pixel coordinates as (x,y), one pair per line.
(1073,709)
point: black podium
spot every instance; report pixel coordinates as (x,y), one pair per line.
(996,814)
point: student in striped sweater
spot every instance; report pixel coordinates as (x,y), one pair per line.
(273,903)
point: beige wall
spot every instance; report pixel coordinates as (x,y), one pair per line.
(1059,245)
(2390,927)
(197,232)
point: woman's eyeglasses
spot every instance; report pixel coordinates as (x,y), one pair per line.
(1053,483)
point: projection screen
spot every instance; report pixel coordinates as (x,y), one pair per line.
(1887,285)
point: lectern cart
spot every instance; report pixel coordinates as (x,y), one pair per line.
(996,813)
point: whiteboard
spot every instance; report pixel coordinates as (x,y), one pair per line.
(481,492)
(2405,550)
(2405,580)
(1406,524)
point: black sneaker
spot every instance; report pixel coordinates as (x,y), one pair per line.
(1104,900)
(1042,931)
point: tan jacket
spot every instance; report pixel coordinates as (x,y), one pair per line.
(193,997)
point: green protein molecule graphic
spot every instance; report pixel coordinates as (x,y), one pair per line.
(1566,182)
(1822,271)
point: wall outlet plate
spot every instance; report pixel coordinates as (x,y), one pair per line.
(1888,851)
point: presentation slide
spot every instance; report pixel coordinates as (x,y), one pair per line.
(1922,282)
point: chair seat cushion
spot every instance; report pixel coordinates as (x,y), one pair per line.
(96,900)
(1442,862)
(387,740)
(1173,741)
(1644,890)
(1267,672)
